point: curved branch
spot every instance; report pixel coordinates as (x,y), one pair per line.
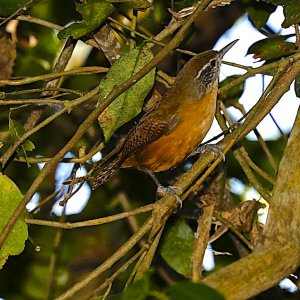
(279,253)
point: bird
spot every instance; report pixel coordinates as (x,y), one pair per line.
(169,132)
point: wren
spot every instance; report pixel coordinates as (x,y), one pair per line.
(168,133)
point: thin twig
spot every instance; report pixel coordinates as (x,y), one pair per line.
(53,75)
(256,168)
(243,163)
(52,89)
(4,159)
(125,248)
(94,222)
(231,227)
(19,10)
(53,259)
(81,160)
(201,240)
(122,269)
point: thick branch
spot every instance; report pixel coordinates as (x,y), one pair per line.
(279,255)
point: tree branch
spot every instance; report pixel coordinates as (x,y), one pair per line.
(279,254)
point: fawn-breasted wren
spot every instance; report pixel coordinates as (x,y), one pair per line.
(172,129)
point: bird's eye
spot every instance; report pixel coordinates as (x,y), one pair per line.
(213,63)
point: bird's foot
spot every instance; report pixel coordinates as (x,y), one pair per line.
(163,190)
(215,149)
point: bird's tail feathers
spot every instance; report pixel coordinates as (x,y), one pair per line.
(107,172)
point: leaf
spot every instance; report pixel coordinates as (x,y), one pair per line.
(137,291)
(137,4)
(258,12)
(129,104)
(94,12)
(232,95)
(177,248)
(16,130)
(273,47)
(297,85)
(193,291)
(291,13)
(10,197)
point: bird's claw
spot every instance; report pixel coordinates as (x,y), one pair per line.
(162,191)
(215,149)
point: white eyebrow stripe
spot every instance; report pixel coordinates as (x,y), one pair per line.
(203,68)
(198,74)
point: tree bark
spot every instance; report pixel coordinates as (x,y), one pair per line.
(278,254)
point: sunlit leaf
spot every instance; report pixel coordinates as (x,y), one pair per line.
(193,291)
(177,248)
(272,48)
(94,12)
(10,197)
(130,103)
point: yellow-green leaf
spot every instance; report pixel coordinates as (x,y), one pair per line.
(272,48)
(16,130)
(130,103)
(94,12)
(10,197)
(177,248)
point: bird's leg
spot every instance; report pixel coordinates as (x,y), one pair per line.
(162,190)
(215,149)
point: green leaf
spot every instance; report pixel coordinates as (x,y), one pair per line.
(272,48)
(232,95)
(193,291)
(16,130)
(10,197)
(137,291)
(291,13)
(177,248)
(297,85)
(130,103)
(258,12)
(137,4)
(94,12)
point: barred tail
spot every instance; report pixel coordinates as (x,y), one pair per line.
(107,172)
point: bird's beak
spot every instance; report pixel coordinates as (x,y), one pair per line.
(225,49)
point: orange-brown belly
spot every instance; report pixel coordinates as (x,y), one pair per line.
(169,150)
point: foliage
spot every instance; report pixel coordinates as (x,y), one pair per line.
(10,197)
(85,104)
